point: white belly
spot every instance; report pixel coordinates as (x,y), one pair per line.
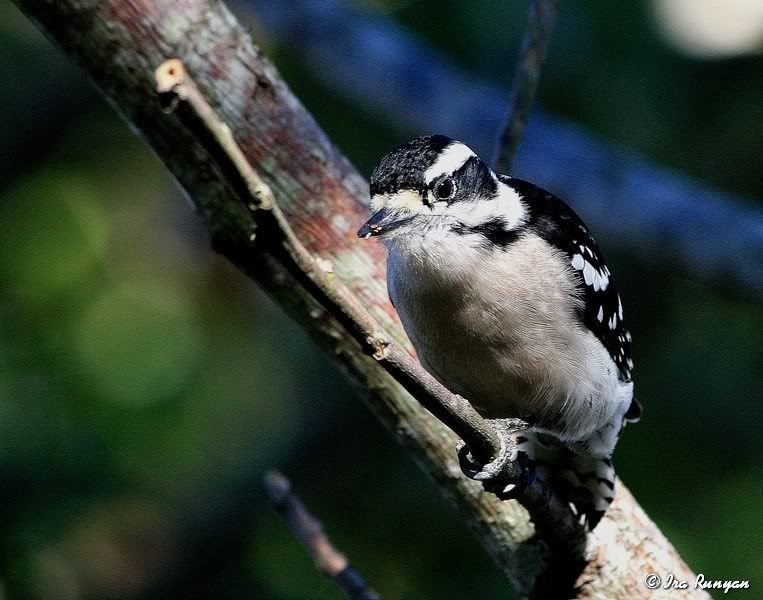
(496,327)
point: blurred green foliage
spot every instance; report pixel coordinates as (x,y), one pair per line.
(145,385)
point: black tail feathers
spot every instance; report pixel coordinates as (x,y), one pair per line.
(585,480)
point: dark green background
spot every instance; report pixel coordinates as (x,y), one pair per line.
(145,385)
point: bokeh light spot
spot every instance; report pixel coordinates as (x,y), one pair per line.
(712,28)
(138,344)
(52,233)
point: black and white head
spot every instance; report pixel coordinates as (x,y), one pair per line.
(435,183)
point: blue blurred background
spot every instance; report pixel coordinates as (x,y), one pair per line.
(145,385)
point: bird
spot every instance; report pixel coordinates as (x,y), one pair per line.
(508,302)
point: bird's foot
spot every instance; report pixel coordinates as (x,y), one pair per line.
(510,473)
(510,487)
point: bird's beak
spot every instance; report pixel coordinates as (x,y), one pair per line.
(384,221)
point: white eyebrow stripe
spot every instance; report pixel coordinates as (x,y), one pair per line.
(450,160)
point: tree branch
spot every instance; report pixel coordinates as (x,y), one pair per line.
(309,531)
(540,25)
(323,199)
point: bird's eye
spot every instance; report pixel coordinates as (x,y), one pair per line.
(446,189)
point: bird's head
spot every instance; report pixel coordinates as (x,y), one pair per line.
(436,183)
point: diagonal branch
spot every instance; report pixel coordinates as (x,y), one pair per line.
(540,25)
(309,531)
(323,198)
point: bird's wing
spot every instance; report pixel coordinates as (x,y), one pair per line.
(602,311)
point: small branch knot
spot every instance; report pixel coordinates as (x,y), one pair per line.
(379,343)
(169,75)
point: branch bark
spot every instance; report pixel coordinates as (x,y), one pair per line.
(322,197)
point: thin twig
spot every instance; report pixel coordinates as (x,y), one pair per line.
(540,24)
(554,520)
(309,531)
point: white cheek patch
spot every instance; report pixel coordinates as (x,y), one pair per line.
(506,206)
(407,199)
(439,208)
(450,160)
(510,206)
(473,214)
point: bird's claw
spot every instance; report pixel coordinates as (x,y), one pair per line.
(485,472)
(512,487)
(507,476)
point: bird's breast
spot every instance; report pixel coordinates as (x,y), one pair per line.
(498,326)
